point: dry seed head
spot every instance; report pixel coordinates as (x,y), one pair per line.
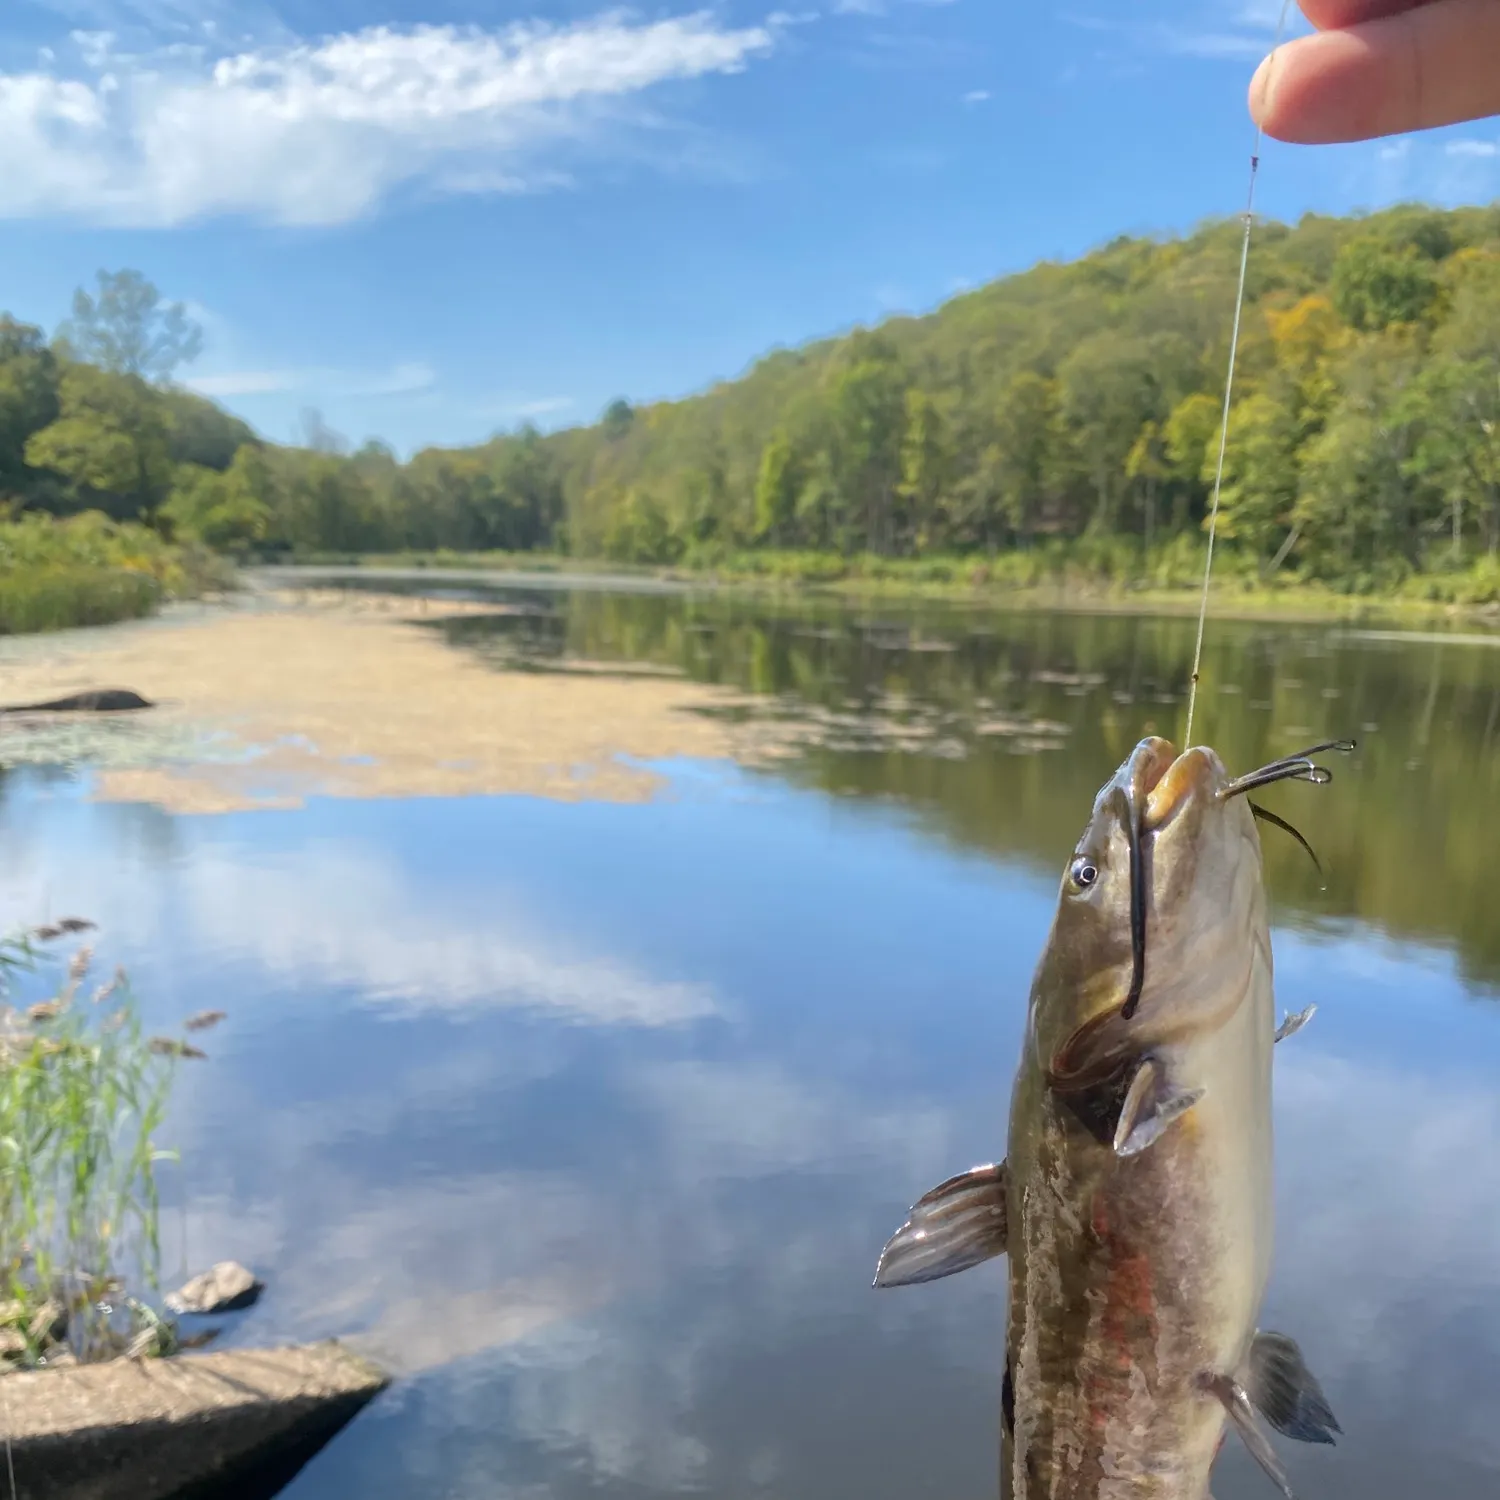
(169,1046)
(45,1320)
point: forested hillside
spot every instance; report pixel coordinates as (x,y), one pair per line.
(1070,408)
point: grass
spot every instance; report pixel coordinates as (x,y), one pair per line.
(90,570)
(1112,572)
(60,597)
(83,1092)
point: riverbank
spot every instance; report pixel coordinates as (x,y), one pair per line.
(60,574)
(1013,580)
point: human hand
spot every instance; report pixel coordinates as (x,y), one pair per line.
(1381,67)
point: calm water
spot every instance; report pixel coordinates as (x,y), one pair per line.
(594,1118)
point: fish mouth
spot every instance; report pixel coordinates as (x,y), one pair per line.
(1151,788)
(1195,770)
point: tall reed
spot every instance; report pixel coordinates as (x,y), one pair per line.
(83,1093)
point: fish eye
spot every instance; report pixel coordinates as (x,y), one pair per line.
(1083,871)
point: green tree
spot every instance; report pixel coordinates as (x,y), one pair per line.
(1111,386)
(618,418)
(867,397)
(128,330)
(110,443)
(1456,410)
(1189,435)
(926,471)
(776,489)
(1260,478)
(1361,517)
(1375,286)
(1026,460)
(228,510)
(202,433)
(28,398)
(1146,465)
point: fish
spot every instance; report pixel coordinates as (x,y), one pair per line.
(1134,1206)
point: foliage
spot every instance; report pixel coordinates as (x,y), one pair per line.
(83,1092)
(127,329)
(109,446)
(89,569)
(1063,408)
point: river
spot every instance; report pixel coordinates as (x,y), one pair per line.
(585,1092)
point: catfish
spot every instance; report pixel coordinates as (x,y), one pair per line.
(1135,1202)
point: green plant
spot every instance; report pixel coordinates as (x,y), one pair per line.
(83,1092)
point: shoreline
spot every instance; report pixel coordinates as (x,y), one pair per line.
(1302,604)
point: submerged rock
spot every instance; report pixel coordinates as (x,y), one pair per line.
(228,1287)
(95,701)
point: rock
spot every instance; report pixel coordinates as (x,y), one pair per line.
(96,701)
(49,1323)
(228,1287)
(205,1426)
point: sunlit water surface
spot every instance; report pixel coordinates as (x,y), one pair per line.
(593,1118)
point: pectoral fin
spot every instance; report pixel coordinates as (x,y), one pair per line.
(1237,1403)
(959,1224)
(1286,1392)
(1294,1023)
(1151,1104)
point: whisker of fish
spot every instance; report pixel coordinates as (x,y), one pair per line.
(1281,823)
(1132,825)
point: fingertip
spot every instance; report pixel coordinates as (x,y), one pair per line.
(1260,94)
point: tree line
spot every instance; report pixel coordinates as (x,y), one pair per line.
(1074,403)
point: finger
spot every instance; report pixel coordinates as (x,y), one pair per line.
(1337,15)
(1429,66)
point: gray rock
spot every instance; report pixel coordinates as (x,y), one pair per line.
(228,1287)
(96,701)
(201,1425)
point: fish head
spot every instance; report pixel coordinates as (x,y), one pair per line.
(1156,914)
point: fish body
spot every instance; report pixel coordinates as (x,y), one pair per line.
(1135,1203)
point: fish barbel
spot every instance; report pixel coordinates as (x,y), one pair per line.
(1135,1203)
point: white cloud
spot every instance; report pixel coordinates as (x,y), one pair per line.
(1473,148)
(1266,14)
(978,96)
(400,380)
(543,406)
(247,382)
(322,132)
(1212,45)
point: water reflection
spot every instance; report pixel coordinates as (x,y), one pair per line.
(593,1118)
(954,714)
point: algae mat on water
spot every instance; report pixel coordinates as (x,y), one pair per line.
(267,704)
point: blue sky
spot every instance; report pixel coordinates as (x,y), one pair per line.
(433,219)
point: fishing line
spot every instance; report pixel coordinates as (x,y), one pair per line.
(1234,344)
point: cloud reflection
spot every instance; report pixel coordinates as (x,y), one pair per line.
(346,917)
